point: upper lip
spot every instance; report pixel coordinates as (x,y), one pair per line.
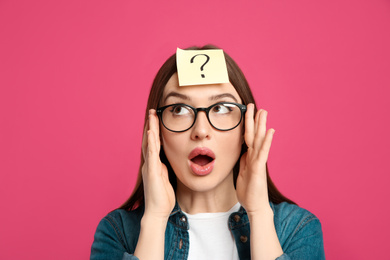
(201,151)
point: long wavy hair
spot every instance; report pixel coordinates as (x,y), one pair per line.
(238,80)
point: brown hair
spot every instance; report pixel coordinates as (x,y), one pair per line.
(238,80)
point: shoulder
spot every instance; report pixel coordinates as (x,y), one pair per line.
(290,212)
(293,216)
(295,225)
(119,229)
(121,217)
(124,221)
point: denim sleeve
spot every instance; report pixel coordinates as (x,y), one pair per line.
(306,242)
(283,257)
(109,242)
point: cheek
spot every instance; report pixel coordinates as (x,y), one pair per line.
(240,132)
(232,143)
(167,139)
(172,143)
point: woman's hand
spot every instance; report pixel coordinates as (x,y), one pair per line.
(251,186)
(158,191)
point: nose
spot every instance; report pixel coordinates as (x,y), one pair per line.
(201,128)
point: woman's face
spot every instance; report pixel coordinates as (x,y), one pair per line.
(202,157)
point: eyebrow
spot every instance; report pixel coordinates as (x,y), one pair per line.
(185,97)
(178,95)
(223,96)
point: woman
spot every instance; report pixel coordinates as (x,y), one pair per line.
(203,189)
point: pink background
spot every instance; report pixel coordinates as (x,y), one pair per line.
(74,79)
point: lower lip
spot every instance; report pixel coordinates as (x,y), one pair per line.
(202,170)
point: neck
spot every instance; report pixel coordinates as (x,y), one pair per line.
(219,199)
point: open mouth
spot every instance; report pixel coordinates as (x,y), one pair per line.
(201,161)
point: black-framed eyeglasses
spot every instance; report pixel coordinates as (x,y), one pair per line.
(223,116)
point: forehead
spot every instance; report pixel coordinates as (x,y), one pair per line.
(199,92)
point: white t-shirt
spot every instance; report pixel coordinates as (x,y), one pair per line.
(210,237)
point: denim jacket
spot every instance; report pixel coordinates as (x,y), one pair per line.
(298,230)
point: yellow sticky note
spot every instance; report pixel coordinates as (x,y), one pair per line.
(199,67)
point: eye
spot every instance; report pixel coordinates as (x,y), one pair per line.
(222,108)
(180,110)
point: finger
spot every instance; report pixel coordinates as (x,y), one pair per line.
(266,146)
(154,126)
(145,139)
(153,153)
(261,127)
(257,116)
(263,123)
(249,125)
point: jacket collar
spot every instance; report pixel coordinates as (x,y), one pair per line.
(175,210)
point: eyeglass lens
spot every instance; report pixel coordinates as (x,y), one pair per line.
(222,116)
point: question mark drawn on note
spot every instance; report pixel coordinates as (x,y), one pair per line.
(201,68)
